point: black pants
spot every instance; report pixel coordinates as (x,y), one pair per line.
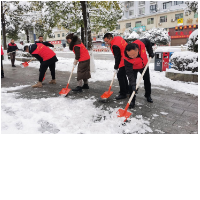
(43,68)
(2,72)
(132,76)
(123,82)
(12,58)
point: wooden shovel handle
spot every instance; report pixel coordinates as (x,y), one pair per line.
(71,73)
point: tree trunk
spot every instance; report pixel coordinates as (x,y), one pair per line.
(27,35)
(3,27)
(83,6)
(82,34)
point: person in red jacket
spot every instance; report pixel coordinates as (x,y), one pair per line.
(135,60)
(83,57)
(47,58)
(2,72)
(117,46)
(12,48)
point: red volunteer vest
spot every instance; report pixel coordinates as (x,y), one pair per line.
(44,52)
(84,54)
(12,45)
(139,62)
(121,43)
(2,51)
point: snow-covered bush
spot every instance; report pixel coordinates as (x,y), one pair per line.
(185,61)
(157,36)
(192,43)
(192,6)
(130,37)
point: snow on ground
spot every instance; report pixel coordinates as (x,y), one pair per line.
(104,72)
(62,115)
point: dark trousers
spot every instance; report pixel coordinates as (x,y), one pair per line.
(132,76)
(43,68)
(2,72)
(12,58)
(123,82)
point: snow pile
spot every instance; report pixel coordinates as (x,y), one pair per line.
(185,61)
(62,115)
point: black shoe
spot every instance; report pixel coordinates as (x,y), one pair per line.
(77,89)
(120,97)
(132,104)
(149,99)
(85,86)
(13,66)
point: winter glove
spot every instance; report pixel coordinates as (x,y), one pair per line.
(152,55)
(133,88)
(75,62)
(115,71)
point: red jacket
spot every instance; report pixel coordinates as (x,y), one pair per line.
(2,51)
(141,61)
(121,43)
(84,54)
(44,52)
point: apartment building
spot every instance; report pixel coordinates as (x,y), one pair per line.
(171,15)
(59,37)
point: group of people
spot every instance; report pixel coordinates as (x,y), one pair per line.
(129,60)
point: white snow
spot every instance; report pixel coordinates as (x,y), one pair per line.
(62,115)
(164,113)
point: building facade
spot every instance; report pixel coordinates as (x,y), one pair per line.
(170,15)
(59,37)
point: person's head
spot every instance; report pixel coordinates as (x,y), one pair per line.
(69,38)
(108,37)
(12,41)
(26,49)
(132,50)
(40,38)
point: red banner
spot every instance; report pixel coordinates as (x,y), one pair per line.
(180,36)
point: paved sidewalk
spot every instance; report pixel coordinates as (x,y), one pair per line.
(178,112)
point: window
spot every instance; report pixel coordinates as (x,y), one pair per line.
(138,24)
(128,25)
(178,2)
(195,15)
(166,5)
(153,8)
(141,11)
(150,21)
(118,27)
(178,16)
(63,35)
(163,19)
(131,12)
(131,3)
(58,35)
(141,3)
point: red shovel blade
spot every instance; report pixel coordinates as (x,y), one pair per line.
(25,64)
(123,113)
(64,91)
(106,94)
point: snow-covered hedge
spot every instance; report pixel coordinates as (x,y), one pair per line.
(185,61)
(157,36)
(192,43)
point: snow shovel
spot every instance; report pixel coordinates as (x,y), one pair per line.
(66,90)
(25,64)
(108,93)
(125,113)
